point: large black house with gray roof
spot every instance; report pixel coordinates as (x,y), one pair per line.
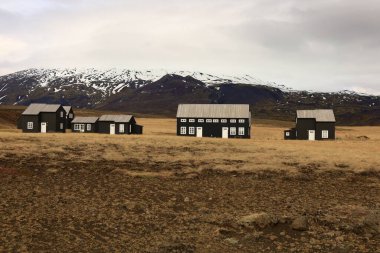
(84,125)
(313,125)
(214,120)
(43,118)
(118,124)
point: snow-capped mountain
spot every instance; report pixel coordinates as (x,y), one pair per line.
(160,91)
(112,81)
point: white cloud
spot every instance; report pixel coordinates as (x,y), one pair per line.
(319,45)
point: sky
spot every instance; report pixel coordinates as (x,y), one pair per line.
(322,45)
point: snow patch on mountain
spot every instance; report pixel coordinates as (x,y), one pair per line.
(114,80)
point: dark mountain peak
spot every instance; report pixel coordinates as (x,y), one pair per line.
(179,79)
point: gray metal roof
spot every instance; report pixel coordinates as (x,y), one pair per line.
(85,120)
(116,118)
(213,111)
(35,109)
(320,115)
(67,108)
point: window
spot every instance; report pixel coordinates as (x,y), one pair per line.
(183,130)
(183,120)
(88,127)
(325,134)
(241,130)
(215,120)
(61,114)
(201,120)
(191,130)
(232,130)
(121,128)
(192,120)
(287,134)
(241,120)
(76,127)
(208,120)
(30,125)
(232,120)
(223,120)
(61,126)
(70,115)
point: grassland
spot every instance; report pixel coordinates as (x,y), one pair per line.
(162,193)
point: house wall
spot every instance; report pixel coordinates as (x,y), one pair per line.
(104,127)
(30,118)
(303,126)
(53,120)
(19,122)
(320,126)
(68,120)
(137,129)
(291,136)
(94,128)
(214,129)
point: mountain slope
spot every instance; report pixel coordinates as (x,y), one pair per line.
(158,92)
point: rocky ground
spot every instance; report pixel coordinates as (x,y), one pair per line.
(93,206)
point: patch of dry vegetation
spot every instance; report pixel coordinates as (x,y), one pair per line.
(160,146)
(162,193)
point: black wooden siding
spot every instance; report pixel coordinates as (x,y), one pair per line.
(304,125)
(68,120)
(30,118)
(214,129)
(94,127)
(52,119)
(104,127)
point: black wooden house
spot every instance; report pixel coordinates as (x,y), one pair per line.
(84,125)
(69,115)
(43,118)
(119,124)
(214,120)
(313,125)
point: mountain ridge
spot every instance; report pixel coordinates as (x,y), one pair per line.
(149,92)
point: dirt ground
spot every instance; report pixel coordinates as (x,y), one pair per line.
(162,193)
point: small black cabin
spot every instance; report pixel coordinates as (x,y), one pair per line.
(69,115)
(84,125)
(313,125)
(43,118)
(214,120)
(119,124)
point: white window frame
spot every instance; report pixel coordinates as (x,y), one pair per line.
(201,120)
(241,120)
(191,120)
(183,130)
(287,134)
(61,126)
(76,127)
(232,130)
(208,120)
(61,114)
(223,120)
(29,125)
(121,128)
(191,130)
(88,127)
(325,134)
(183,120)
(232,120)
(215,121)
(70,115)
(241,130)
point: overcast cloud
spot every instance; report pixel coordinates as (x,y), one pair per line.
(325,45)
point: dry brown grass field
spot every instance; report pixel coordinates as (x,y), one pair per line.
(161,193)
